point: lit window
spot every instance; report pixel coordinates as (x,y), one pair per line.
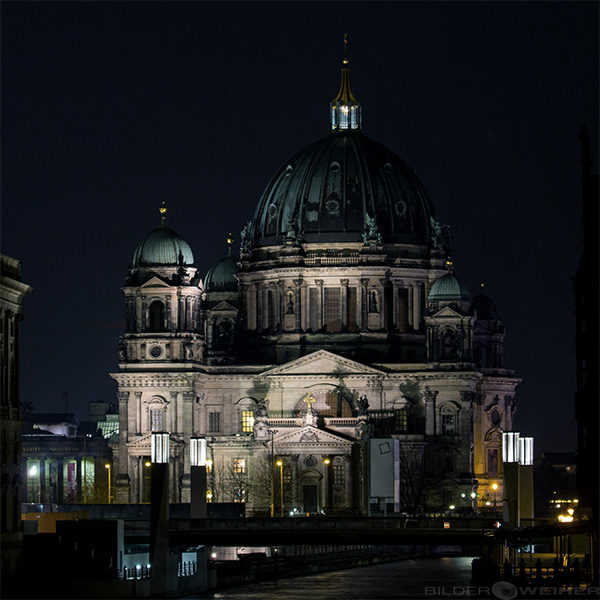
(339,475)
(448,424)
(239,465)
(400,419)
(214,422)
(247,421)
(156,420)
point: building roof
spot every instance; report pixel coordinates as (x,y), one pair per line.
(483,307)
(163,247)
(221,276)
(448,288)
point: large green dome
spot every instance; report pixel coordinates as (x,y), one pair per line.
(330,190)
(163,247)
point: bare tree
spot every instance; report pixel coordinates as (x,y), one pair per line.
(412,477)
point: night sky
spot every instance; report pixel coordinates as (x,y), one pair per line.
(109,109)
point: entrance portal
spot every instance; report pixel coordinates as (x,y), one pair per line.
(310,496)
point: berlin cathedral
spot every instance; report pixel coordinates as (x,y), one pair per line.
(339,361)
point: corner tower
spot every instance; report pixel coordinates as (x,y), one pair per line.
(159,351)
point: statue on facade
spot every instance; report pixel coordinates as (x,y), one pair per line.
(261,408)
(122,350)
(441,237)
(371,237)
(245,237)
(362,405)
(293,235)
(373,302)
(290,305)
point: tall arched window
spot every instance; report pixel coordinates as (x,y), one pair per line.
(328,403)
(224,335)
(449,345)
(157,316)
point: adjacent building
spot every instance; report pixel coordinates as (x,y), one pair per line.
(12,292)
(341,340)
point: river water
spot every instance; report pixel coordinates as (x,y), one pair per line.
(422,578)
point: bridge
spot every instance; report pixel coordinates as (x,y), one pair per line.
(279,531)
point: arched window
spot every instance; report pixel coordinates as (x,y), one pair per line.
(328,403)
(448,420)
(332,310)
(157,316)
(449,345)
(224,335)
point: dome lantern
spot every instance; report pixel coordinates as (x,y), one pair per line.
(345,109)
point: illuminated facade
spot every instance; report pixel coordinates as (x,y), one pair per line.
(342,322)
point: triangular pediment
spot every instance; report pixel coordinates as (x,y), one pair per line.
(223,306)
(322,362)
(311,436)
(445,313)
(155,282)
(479,329)
(142,443)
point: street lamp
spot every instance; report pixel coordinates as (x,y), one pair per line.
(494,487)
(107,466)
(147,466)
(280,465)
(272,433)
(326,462)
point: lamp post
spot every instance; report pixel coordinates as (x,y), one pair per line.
(280,465)
(494,487)
(272,433)
(198,477)
(326,462)
(159,513)
(107,466)
(147,472)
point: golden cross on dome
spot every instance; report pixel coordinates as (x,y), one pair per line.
(163,211)
(309,399)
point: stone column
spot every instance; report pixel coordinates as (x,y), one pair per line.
(175,417)
(320,311)
(137,414)
(299,304)
(363,300)
(344,303)
(430,411)
(394,307)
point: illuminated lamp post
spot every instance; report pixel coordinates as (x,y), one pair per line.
(326,503)
(159,513)
(107,466)
(272,433)
(510,461)
(198,478)
(280,465)
(495,488)
(526,478)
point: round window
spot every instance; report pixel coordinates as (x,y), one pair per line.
(155,351)
(495,416)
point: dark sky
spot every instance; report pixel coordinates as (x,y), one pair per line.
(109,109)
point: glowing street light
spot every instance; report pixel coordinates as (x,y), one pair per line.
(107,466)
(280,465)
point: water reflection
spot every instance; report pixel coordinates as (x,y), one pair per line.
(423,578)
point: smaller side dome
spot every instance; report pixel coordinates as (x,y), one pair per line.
(483,307)
(221,276)
(449,288)
(162,247)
